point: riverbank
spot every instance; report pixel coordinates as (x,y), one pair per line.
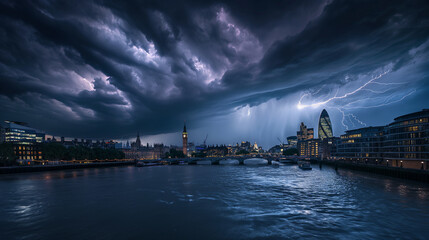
(41,168)
(404,173)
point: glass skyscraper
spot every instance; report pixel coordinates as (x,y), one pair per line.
(325,127)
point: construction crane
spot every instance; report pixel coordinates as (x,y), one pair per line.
(281,143)
(205,139)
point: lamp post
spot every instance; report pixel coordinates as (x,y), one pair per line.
(387,163)
(422,165)
(401,164)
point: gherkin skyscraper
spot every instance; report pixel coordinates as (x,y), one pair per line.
(325,127)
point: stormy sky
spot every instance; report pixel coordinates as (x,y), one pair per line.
(235,70)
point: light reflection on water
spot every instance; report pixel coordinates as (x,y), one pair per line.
(211,202)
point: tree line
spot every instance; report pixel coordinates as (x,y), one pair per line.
(173,153)
(7,155)
(56,151)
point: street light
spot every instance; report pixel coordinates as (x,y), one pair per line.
(422,165)
(401,163)
(387,163)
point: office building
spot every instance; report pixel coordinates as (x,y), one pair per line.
(26,141)
(304,133)
(402,143)
(309,148)
(363,145)
(325,126)
(406,140)
(328,146)
(307,145)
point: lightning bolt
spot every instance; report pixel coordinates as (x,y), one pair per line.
(351,117)
(357,120)
(377,92)
(317,104)
(377,100)
(381,83)
(386,102)
(343,119)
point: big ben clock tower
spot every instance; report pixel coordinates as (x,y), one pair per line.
(185,141)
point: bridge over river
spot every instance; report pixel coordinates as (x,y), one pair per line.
(216,160)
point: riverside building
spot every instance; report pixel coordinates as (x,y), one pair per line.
(361,145)
(309,148)
(406,141)
(307,145)
(402,143)
(26,141)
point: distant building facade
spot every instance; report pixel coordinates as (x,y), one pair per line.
(322,147)
(217,151)
(307,145)
(292,141)
(304,133)
(137,144)
(157,151)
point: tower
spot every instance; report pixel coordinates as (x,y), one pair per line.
(325,127)
(185,140)
(138,142)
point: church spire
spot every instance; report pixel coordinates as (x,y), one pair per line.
(138,142)
(184,127)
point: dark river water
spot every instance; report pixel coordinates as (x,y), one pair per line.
(211,202)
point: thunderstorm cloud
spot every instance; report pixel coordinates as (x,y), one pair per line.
(232,69)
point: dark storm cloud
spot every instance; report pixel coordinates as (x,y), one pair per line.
(110,68)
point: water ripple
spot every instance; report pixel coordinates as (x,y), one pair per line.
(211,202)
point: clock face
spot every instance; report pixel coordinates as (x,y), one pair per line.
(184,135)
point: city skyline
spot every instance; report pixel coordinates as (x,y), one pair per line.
(162,119)
(109,75)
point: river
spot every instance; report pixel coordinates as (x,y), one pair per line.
(211,202)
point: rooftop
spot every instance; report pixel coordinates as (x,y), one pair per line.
(366,129)
(423,113)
